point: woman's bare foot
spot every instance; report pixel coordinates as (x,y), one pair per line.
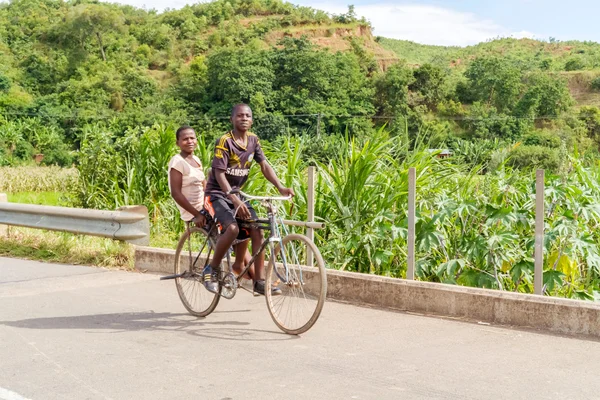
(248,275)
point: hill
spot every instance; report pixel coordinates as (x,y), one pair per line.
(578,62)
(551,55)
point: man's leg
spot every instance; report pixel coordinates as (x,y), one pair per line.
(223,244)
(219,209)
(259,262)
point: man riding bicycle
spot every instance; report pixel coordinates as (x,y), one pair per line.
(234,153)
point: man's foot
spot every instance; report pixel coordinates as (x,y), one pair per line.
(210,279)
(259,287)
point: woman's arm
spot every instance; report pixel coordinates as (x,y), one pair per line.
(176,179)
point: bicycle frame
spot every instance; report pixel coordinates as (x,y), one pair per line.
(270,225)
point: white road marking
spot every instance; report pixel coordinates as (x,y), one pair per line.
(6,394)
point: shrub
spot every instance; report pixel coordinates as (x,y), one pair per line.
(546,64)
(535,157)
(487,123)
(5,83)
(591,118)
(24,151)
(542,138)
(575,64)
(60,156)
(595,84)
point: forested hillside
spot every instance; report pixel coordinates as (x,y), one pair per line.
(71,69)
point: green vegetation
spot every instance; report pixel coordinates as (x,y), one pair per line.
(26,179)
(66,248)
(472,229)
(41,198)
(551,55)
(70,68)
(100,88)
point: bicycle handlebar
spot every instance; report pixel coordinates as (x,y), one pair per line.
(250,197)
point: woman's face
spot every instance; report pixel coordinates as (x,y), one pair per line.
(187,141)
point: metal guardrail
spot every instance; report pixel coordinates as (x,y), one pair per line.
(130,224)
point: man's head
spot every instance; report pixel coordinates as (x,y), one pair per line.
(241,117)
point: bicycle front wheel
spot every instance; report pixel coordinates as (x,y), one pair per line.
(194,251)
(303,287)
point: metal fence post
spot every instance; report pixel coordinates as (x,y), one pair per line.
(538,275)
(3,228)
(410,260)
(310,206)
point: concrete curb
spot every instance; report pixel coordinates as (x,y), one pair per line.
(3,228)
(556,315)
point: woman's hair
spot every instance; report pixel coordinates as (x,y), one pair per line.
(183,128)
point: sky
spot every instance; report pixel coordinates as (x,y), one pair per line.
(459,22)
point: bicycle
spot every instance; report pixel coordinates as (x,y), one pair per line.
(284,269)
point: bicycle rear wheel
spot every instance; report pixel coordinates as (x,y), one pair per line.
(303,288)
(194,250)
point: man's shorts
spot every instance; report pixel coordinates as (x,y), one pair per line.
(223,211)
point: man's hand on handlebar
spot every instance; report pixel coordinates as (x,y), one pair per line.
(240,206)
(287,192)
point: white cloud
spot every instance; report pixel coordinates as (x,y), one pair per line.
(425,23)
(524,34)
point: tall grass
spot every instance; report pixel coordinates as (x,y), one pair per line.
(36,179)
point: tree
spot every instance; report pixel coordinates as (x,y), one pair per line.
(311,81)
(430,83)
(494,81)
(545,96)
(86,21)
(236,75)
(391,90)
(591,117)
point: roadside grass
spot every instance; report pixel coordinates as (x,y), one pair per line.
(162,236)
(66,248)
(49,186)
(41,198)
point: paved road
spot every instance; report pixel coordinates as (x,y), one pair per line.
(72,332)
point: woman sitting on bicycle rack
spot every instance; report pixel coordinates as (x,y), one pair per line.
(186,177)
(231,163)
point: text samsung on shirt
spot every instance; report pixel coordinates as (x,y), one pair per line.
(237,171)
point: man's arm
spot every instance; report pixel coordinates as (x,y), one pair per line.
(271,176)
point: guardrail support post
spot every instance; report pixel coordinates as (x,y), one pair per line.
(131,232)
(538,274)
(310,206)
(410,259)
(3,228)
